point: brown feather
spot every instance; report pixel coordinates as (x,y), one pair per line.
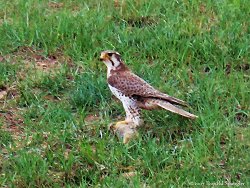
(132,85)
(152,103)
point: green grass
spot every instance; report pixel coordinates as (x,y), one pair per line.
(54,118)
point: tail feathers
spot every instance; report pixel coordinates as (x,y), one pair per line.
(172,99)
(174,109)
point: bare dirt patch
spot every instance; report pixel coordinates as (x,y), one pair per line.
(142,21)
(91,118)
(42,62)
(32,61)
(12,120)
(3,92)
(55,5)
(7,93)
(12,123)
(138,21)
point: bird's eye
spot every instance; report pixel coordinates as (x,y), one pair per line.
(109,54)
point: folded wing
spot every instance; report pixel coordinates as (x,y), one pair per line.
(130,84)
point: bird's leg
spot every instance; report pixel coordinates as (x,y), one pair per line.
(125,130)
(128,123)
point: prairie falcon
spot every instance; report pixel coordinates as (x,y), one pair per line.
(135,93)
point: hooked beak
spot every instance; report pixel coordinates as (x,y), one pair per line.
(104,56)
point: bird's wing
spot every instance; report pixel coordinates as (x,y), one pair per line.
(132,85)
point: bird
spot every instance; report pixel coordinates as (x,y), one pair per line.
(135,93)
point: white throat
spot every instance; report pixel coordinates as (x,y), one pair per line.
(112,65)
(115,61)
(108,71)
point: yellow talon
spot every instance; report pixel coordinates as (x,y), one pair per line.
(121,122)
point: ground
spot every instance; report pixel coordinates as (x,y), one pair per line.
(55,106)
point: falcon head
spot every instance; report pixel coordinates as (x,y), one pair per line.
(111,58)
